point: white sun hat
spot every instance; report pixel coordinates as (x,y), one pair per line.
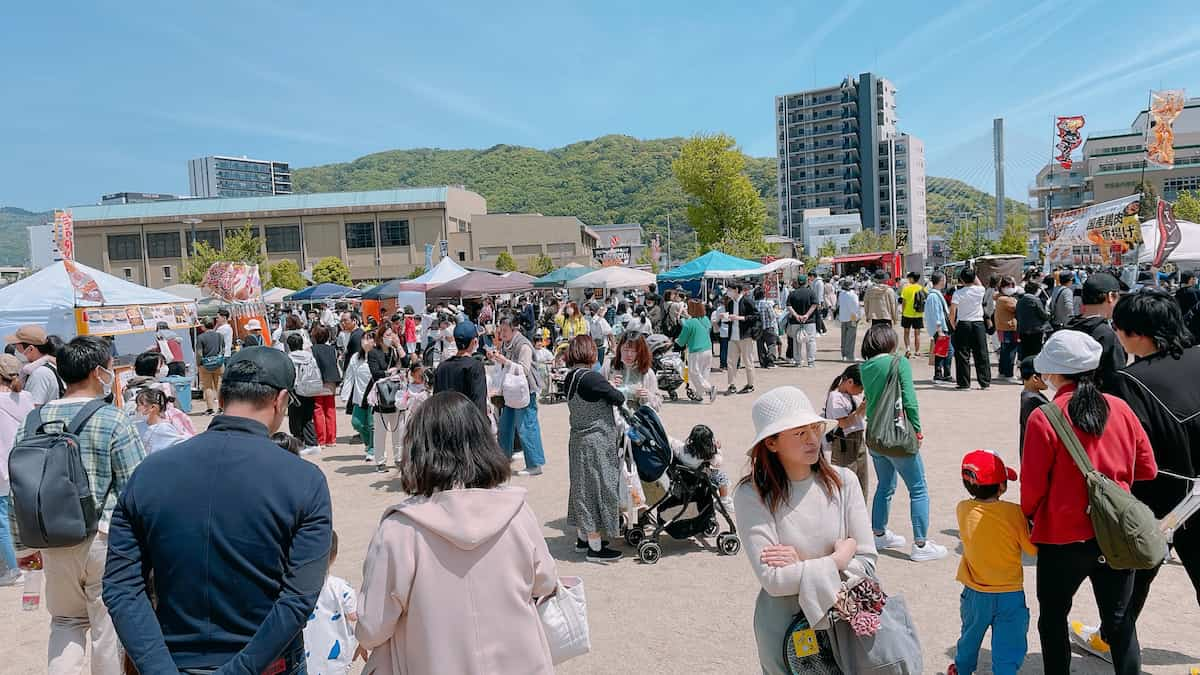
(253,324)
(1068,352)
(781,409)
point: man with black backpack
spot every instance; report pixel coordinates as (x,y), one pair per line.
(32,345)
(72,531)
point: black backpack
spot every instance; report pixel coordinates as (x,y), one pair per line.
(51,491)
(919,301)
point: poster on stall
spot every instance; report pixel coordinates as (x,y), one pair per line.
(125,319)
(1111,227)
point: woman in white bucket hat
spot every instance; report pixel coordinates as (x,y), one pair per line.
(803,520)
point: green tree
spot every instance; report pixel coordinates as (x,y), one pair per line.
(505,262)
(242,246)
(828,249)
(541,265)
(1014,238)
(331,270)
(417,271)
(1187,206)
(286,274)
(967,241)
(647,259)
(1149,202)
(868,241)
(725,210)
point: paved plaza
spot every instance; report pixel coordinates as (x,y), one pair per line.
(691,612)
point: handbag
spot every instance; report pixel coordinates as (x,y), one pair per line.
(564,620)
(807,651)
(212,362)
(889,432)
(514,386)
(383,395)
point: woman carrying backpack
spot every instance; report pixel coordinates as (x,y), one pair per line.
(1054,495)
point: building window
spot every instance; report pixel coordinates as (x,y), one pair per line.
(124,247)
(360,235)
(283,238)
(393,233)
(462,256)
(560,249)
(128,272)
(167,272)
(844,230)
(163,245)
(464,226)
(210,237)
(527,249)
(489,252)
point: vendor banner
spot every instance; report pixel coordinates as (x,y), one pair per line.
(125,319)
(1112,227)
(1069,138)
(616,255)
(1169,236)
(1165,106)
(233,282)
(86,288)
(64,234)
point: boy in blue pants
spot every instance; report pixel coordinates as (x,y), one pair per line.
(993,533)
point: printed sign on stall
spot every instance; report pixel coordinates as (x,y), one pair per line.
(122,319)
(612,256)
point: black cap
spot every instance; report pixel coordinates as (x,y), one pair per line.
(271,367)
(1027,369)
(1098,286)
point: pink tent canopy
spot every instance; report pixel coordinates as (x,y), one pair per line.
(475,284)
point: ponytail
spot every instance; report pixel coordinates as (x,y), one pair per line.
(1088,408)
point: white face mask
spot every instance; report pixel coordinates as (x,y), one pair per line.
(162,372)
(1011,290)
(107,386)
(141,417)
(21,357)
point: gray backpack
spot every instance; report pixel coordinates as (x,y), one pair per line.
(51,492)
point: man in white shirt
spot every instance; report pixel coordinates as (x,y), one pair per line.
(225,330)
(40,371)
(970,336)
(600,331)
(848,312)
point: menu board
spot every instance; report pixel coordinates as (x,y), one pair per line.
(122,319)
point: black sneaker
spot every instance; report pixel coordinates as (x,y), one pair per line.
(731,390)
(746,389)
(581,545)
(604,555)
(381,468)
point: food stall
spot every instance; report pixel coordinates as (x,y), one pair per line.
(890,262)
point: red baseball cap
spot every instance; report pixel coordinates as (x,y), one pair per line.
(984,467)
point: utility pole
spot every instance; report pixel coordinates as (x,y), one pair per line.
(998,151)
(669,241)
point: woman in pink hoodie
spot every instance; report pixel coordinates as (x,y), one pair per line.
(453,573)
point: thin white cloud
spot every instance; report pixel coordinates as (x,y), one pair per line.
(930,30)
(461,104)
(817,37)
(1030,44)
(234,125)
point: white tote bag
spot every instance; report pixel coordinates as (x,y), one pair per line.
(564,619)
(515,386)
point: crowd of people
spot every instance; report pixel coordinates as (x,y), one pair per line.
(447,396)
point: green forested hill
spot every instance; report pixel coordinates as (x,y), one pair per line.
(14,238)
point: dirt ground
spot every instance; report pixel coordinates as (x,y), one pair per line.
(692,612)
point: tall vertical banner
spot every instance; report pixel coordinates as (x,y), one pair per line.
(1169,235)
(1165,106)
(64,234)
(428,257)
(233,282)
(85,286)
(1069,138)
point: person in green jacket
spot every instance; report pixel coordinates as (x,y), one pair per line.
(696,337)
(878,350)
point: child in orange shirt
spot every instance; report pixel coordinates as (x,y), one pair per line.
(993,533)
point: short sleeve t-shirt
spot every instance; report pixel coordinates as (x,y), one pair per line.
(328,636)
(839,405)
(908,296)
(993,535)
(801,300)
(969,300)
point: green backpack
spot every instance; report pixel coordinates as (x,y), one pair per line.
(888,431)
(1126,530)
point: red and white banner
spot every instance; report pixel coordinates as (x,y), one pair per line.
(614,241)
(85,286)
(1165,106)
(64,234)
(233,282)
(1069,138)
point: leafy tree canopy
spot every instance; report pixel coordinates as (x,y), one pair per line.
(417,271)
(505,262)
(725,210)
(241,246)
(1014,238)
(286,274)
(1187,206)
(541,265)
(331,270)
(867,241)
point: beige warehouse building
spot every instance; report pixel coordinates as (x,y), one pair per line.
(380,234)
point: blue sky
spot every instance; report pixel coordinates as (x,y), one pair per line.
(105,97)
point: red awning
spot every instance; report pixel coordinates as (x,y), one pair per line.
(862,257)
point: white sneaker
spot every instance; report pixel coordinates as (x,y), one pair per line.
(930,551)
(1088,639)
(12,578)
(310,450)
(889,539)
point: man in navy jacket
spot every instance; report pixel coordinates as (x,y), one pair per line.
(235,531)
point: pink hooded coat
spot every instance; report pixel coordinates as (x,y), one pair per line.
(449,584)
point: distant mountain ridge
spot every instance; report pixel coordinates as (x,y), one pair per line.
(14,238)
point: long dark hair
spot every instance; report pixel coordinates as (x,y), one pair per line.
(1088,409)
(852,373)
(770,480)
(450,445)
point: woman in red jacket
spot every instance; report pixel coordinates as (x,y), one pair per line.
(1054,495)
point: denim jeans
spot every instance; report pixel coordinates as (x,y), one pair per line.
(912,472)
(1007,616)
(1009,345)
(599,359)
(724,353)
(523,422)
(6,543)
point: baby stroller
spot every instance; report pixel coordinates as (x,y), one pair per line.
(652,454)
(667,365)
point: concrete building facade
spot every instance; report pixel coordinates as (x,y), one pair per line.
(380,234)
(820,228)
(627,234)
(221,176)
(838,148)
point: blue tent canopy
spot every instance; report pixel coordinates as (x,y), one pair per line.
(388,289)
(713,261)
(323,292)
(561,276)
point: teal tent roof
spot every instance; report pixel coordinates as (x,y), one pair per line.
(713,261)
(561,276)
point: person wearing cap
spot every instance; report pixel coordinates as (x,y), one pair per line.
(1099,295)
(1054,494)
(462,372)
(1032,397)
(994,534)
(254,334)
(110,449)
(37,350)
(803,521)
(970,336)
(230,513)
(879,301)
(15,406)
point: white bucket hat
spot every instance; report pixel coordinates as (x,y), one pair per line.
(781,409)
(253,324)
(1068,352)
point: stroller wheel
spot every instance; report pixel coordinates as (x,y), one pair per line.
(712,528)
(634,536)
(729,544)
(649,552)
(673,395)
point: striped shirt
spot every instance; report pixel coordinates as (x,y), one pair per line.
(766,312)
